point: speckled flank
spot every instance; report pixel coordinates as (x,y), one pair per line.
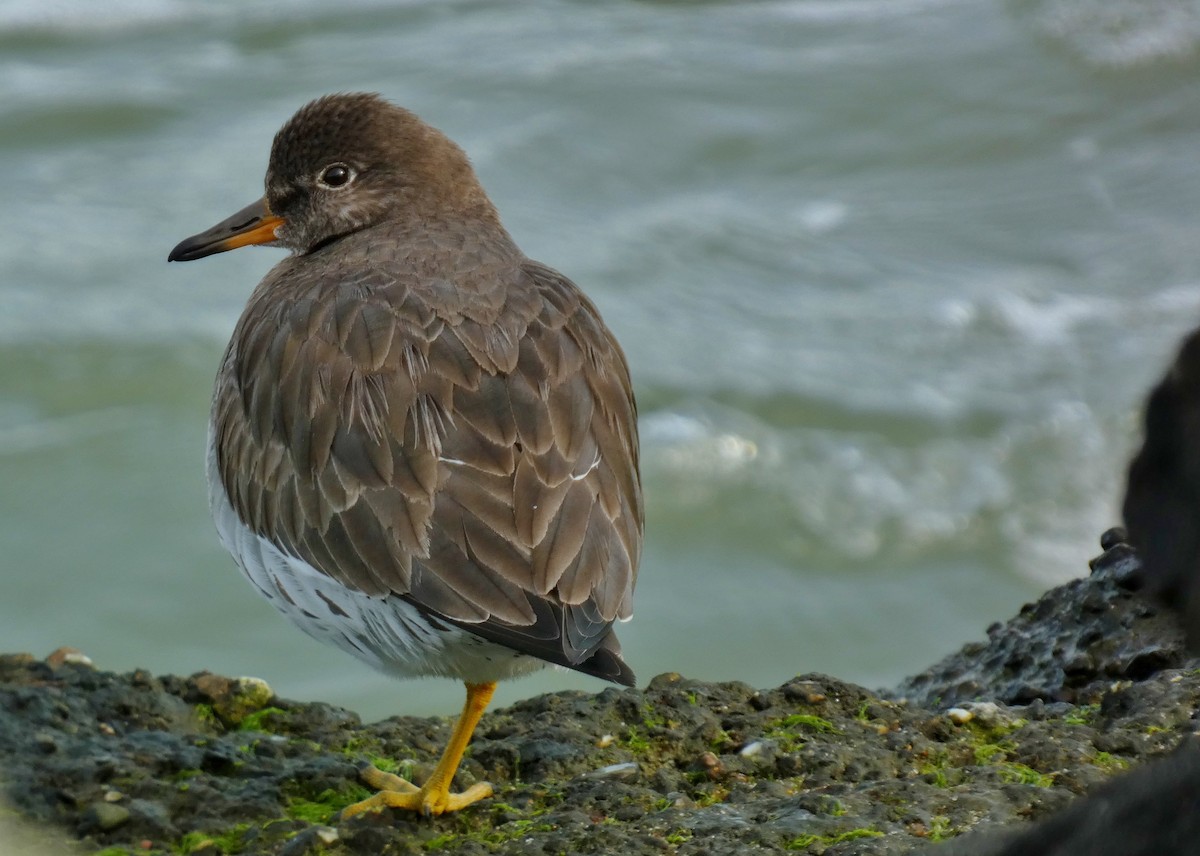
(387,633)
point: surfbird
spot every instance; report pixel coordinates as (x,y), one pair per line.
(423,445)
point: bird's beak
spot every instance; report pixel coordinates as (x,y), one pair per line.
(254,224)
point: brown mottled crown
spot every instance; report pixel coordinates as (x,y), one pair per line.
(401,167)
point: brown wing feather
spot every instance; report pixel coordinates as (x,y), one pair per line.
(477,457)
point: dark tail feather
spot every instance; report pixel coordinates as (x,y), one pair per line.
(605,662)
(559,635)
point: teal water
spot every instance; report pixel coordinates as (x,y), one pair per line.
(893,277)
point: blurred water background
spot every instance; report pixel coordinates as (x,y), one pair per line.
(893,276)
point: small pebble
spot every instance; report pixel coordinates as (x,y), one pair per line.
(257,687)
(987,713)
(68,656)
(113,796)
(105,816)
(712,765)
(1113,537)
(751,749)
(627,770)
(679,800)
(327,835)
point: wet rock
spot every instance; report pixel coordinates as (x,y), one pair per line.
(1148,812)
(1068,646)
(1089,681)
(103,817)
(1162,493)
(233,699)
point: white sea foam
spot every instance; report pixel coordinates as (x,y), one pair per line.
(1120,33)
(81,16)
(867,496)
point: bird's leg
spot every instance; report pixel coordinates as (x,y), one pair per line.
(434,797)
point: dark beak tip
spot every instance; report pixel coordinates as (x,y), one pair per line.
(180,252)
(245,227)
(190,249)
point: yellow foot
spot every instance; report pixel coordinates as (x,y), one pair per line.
(395,792)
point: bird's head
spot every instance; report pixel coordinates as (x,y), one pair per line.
(341,164)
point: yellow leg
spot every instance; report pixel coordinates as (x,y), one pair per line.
(434,797)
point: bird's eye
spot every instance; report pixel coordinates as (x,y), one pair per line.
(336,175)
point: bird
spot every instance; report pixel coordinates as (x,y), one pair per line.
(1161,506)
(423,445)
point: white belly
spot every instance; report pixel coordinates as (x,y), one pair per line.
(387,632)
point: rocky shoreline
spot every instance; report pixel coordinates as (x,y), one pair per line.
(1090,680)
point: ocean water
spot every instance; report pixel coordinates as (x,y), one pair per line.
(893,276)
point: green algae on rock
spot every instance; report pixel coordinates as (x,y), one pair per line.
(816,765)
